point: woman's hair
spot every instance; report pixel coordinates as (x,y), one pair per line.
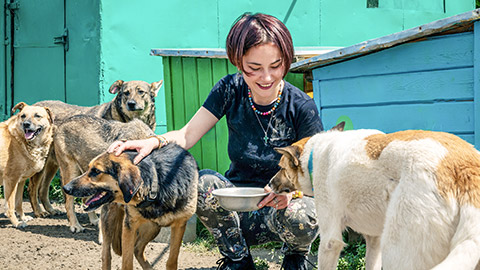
(250,30)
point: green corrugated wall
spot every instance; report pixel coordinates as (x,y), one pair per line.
(187,82)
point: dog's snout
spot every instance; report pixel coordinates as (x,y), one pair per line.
(131,105)
(67,188)
(27,124)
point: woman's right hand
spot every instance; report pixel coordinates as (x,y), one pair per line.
(143,147)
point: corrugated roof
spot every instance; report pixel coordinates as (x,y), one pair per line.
(455,24)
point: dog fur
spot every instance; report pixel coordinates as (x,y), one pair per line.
(81,138)
(414,195)
(111,179)
(25,140)
(134,100)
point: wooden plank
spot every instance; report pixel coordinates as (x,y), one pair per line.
(205,84)
(458,23)
(476,83)
(221,130)
(191,100)
(456,84)
(167,83)
(454,117)
(177,93)
(452,51)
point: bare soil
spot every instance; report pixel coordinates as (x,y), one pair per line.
(48,244)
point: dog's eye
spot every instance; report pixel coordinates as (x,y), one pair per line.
(37,116)
(126,93)
(94,172)
(141,92)
(23,116)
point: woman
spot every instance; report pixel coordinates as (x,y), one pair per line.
(263,111)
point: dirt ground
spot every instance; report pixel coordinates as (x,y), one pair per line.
(48,244)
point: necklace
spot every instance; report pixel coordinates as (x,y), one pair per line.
(265,131)
(279,97)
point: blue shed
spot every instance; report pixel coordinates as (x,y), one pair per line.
(427,77)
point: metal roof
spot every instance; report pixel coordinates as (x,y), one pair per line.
(455,24)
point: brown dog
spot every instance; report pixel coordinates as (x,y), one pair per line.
(25,140)
(160,191)
(134,100)
(81,138)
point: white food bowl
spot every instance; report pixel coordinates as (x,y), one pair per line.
(239,199)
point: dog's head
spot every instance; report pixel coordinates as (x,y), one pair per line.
(32,121)
(287,178)
(135,96)
(108,178)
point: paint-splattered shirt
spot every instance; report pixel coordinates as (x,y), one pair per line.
(254,162)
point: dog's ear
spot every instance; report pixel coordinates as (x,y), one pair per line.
(50,114)
(129,181)
(155,86)
(339,127)
(19,106)
(116,87)
(291,152)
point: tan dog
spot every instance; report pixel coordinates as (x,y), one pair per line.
(134,100)
(25,141)
(414,195)
(160,191)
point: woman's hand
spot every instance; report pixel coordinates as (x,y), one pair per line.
(143,147)
(277,201)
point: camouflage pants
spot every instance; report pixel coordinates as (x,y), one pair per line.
(296,226)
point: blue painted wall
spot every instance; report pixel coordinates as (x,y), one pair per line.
(429,84)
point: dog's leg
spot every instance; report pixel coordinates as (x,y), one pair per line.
(130,227)
(19,202)
(68,172)
(373,258)
(176,236)
(10,191)
(331,244)
(33,187)
(146,233)
(51,168)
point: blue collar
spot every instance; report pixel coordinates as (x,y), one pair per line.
(310,167)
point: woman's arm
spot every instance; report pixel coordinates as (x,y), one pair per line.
(187,137)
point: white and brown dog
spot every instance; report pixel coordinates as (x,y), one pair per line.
(414,195)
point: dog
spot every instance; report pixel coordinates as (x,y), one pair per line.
(133,100)
(25,140)
(414,195)
(81,138)
(159,191)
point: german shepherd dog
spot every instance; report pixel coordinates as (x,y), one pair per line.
(160,191)
(414,195)
(134,100)
(81,138)
(25,141)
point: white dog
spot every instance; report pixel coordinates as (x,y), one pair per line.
(414,195)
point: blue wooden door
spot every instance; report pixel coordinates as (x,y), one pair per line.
(38,56)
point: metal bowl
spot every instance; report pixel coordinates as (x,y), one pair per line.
(239,199)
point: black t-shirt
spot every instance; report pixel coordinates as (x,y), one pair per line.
(253,162)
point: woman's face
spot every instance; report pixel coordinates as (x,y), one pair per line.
(263,65)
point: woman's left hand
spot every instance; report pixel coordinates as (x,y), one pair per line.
(277,201)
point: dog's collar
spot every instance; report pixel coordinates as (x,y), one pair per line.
(310,167)
(152,195)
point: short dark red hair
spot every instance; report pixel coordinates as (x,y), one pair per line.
(250,30)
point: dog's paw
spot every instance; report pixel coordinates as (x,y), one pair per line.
(21,225)
(26,218)
(77,228)
(54,212)
(41,214)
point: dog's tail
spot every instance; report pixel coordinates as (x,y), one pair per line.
(465,244)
